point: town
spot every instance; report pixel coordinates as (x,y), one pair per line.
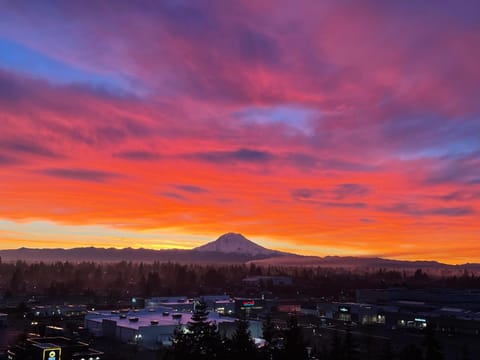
(128,311)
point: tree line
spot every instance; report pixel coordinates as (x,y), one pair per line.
(125,279)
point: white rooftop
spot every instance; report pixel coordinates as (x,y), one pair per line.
(145,317)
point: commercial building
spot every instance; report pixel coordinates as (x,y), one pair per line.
(175,303)
(268,281)
(362,314)
(59,310)
(405,314)
(153,328)
(460,298)
(53,348)
(248,307)
(222,304)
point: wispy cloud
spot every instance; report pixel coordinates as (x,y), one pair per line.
(413,209)
(191,188)
(79,174)
(240,155)
(173,195)
(138,155)
(343,191)
(27,147)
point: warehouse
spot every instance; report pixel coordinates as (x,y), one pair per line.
(153,328)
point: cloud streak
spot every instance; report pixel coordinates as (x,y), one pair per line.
(416,210)
(240,155)
(79,174)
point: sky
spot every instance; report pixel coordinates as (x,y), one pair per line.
(317,127)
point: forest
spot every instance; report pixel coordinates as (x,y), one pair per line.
(125,279)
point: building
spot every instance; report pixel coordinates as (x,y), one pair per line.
(362,314)
(222,304)
(175,303)
(452,311)
(464,298)
(289,308)
(157,301)
(45,311)
(260,281)
(250,308)
(154,328)
(53,348)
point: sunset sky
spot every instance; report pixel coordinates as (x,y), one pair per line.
(318,127)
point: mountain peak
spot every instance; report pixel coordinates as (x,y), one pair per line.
(235,243)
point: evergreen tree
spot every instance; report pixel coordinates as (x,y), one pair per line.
(17,281)
(268,330)
(242,345)
(268,336)
(432,347)
(294,345)
(201,341)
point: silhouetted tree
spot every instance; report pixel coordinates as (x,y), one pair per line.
(268,336)
(294,345)
(432,347)
(202,340)
(242,345)
(17,281)
(268,329)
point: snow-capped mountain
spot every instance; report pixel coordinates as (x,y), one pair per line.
(232,243)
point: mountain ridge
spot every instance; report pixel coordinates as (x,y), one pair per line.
(227,249)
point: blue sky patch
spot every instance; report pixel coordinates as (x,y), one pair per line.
(18,58)
(293,116)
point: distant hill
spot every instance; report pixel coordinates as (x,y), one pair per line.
(350,262)
(229,248)
(128,254)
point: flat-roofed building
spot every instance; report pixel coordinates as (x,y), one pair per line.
(154,328)
(261,280)
(69,310)
(222,304)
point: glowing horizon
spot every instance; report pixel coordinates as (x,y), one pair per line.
(166,125)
